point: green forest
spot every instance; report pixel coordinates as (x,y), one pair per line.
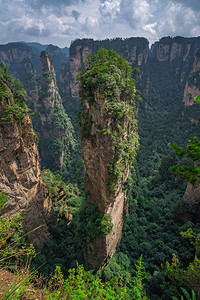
(158,254)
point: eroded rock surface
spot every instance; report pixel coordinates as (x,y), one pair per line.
(192,88)
(191,200)
(108,142)
(21,179)
(52,124)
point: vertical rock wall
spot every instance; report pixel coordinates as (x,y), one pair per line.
(192,88)
(108,142)
(20,175)
(50,120)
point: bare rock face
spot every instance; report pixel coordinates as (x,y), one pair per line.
(191,200)
(108,142)
(21,179)
(50,120)
(163,52)
(192,88)
(178,48)
(14,53)
(134,50)
(71,68)
(169,49)
(53,50)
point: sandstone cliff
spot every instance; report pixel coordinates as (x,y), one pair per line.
(134,50)
(50,120)
(169,49)
(192,88)
(13,55)
(191,203)
(108,142)
(20,175)
(57,57)
(166,65)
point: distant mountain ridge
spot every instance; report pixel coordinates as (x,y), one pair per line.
(14,54)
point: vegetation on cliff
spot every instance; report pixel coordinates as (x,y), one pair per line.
(191,173)
(153,222)
(14,97)
(108,76)
(50,120)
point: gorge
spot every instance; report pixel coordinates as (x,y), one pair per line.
(168,81)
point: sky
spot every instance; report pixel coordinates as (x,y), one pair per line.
(59,22)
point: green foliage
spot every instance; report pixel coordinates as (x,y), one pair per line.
(190,173)
(50,120)
(61,120)
(190,275)
(192,151)
(109,75)
(90,222)
(83,285)
(66,198)
(3,200)
(13,247)
(187,295)
(57,147)
(36,137)
(14,96)
(197,98)
(14,112)
(118,268)
(152,225)
(138,292)
(78,285)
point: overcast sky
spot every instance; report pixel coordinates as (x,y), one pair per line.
(61,21)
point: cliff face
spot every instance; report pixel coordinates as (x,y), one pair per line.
(134,50)
(13,55)
(50,121)
(164,67)
(20,175)
(191,202)
(169,49)
(70,69)
(108,142)
(57,57)
(192,88)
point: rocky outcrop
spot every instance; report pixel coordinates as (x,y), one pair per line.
(20,176)
(191,203)
(50,120)
(13,55)
(192,88)
(169,49)
(71,68)
(57,57)
(108,142)
(98,154)
(134,50)
(169,59)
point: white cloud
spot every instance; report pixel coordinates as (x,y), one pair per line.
(135,12)
(60,21)
(91,23)
(179,20)
(151,28)
(110,8)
